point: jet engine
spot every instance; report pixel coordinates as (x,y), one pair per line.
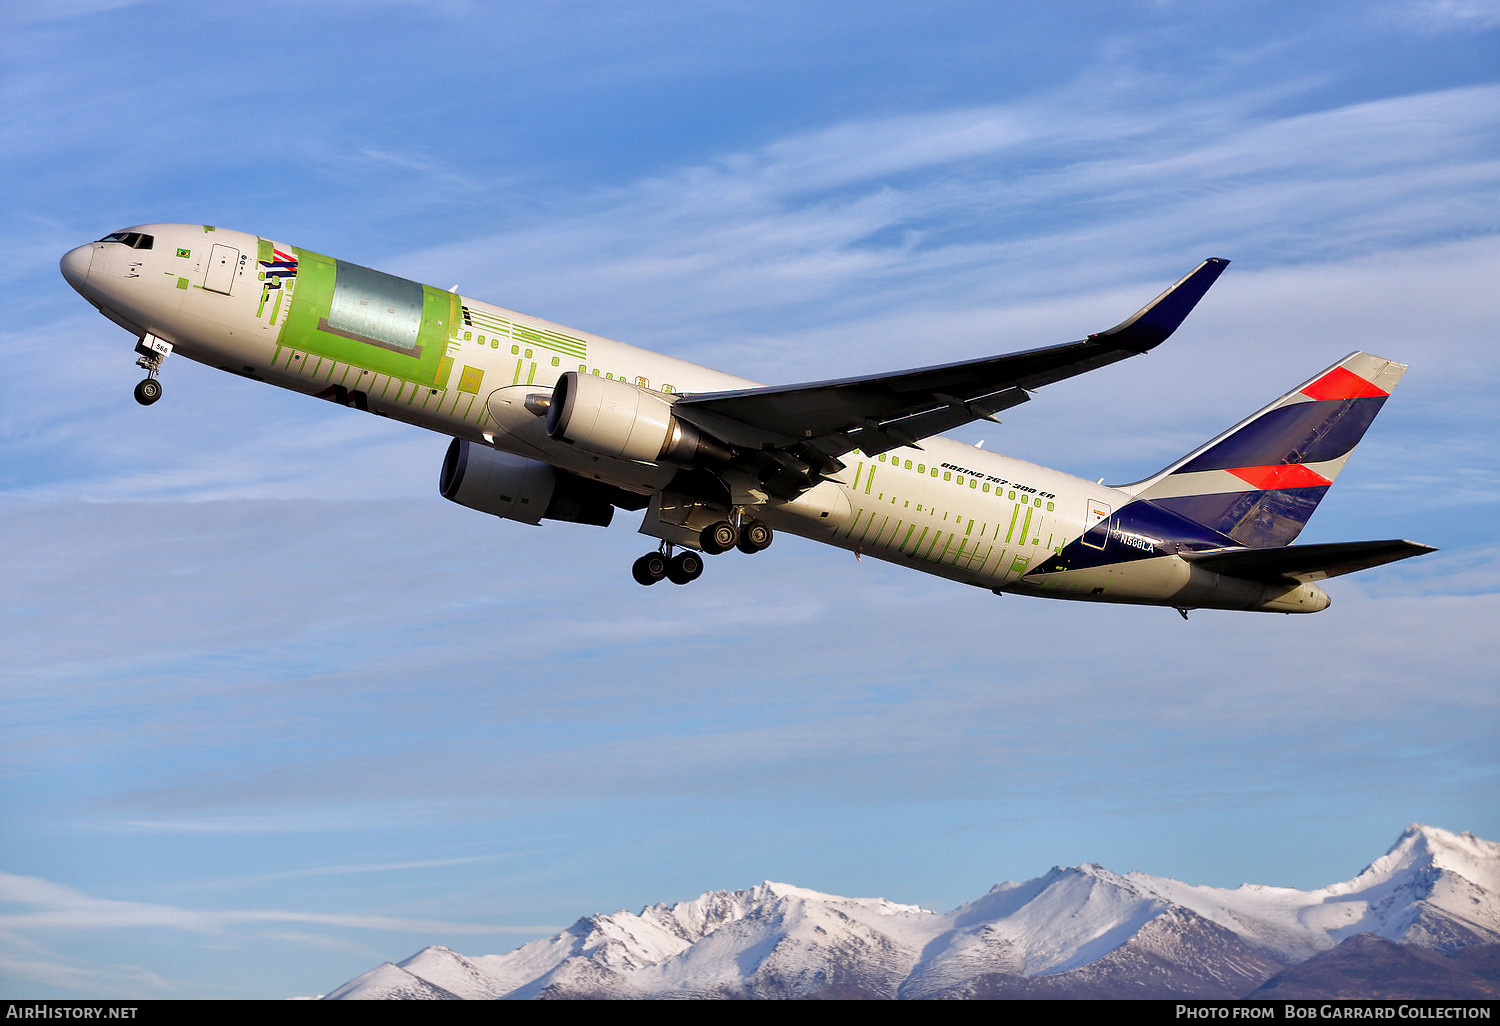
(617,419)
(515,488)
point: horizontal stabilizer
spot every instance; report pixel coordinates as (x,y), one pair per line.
(1304,562)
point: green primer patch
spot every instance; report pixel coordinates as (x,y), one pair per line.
(182,283)
(311,301)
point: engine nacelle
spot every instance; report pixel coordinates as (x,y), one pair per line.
(617,419)
(515,488)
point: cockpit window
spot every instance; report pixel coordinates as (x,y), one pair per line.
(135,240)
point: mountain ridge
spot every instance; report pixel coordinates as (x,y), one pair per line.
(1084,931)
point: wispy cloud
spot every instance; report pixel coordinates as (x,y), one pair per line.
(1446,15)
(109,979)
(316,872)
(815,227)
(51,906)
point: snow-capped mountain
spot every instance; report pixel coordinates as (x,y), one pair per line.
(1073,932)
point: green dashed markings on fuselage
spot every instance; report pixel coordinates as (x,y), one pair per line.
(564,344)
(418,359)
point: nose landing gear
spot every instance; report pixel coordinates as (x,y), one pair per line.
(148,391)
(152,352)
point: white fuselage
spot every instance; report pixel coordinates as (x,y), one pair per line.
(942,506)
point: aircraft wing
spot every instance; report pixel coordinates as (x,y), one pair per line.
(820,421)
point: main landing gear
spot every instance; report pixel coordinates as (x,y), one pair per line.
(749,536)
(152,352)
(683,568)
(687,566)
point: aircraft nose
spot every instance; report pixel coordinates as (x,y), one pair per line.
(75,265)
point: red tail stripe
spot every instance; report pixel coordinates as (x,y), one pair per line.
(1286,475)
(1341,383)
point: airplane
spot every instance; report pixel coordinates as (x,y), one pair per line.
(551,423)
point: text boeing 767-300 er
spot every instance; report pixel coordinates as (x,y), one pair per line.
(550,423)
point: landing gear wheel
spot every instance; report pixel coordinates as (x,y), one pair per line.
(649,569)
(720,537)
(755,536)
(148,391)
(685,568)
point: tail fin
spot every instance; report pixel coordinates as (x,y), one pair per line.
(1258,482)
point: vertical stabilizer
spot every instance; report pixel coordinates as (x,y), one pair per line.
(1258,482)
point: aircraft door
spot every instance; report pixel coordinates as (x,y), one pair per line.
(1096,524)
(223,262)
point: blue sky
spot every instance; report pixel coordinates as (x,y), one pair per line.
(275,712)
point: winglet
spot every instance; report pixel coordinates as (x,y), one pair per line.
(1154,323)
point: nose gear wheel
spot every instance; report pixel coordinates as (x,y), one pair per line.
(148,391)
